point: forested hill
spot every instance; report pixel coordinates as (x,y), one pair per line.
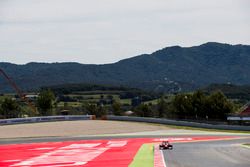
(170,69)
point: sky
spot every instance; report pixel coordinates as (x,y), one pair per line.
(106,31)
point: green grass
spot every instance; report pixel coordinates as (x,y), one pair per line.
(204,129)
(168,98)
(95,92)
(144,157)
(70,104)
(93,97)
(98,96)
(154,102)
(90,100)
(6,96)
(193,128)
(247,145)
(125,101)
(201,129)
(86,96)
(2,98)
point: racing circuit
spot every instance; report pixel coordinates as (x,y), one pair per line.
(91,143)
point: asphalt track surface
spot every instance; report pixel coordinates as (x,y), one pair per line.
(221,153)
(76,138)
(227,153)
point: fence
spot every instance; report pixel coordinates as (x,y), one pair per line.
(45,119)
(123,118)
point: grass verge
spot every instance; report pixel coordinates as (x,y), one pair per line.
(194,128)
(246,145)
(144,157)
(205,129)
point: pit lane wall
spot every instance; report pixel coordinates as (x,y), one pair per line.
(45,119)
(178,123)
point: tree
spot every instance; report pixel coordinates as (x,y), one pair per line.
(143,110)
(162,107)
(97,110)
(215,105)
(136,101)
(110,99)
(102,111)
(198,103)
(218,105)
(183,105)
(91,109)
(116,106)
(10,108)
(45,102)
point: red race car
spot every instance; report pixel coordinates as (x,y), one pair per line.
(165,145)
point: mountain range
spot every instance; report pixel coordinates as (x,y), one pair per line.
(171,69)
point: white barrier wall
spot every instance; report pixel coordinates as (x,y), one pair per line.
(234,118)
(45,119)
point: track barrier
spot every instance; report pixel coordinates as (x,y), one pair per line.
(178,123)
(45,119)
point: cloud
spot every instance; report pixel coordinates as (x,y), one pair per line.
(104,31)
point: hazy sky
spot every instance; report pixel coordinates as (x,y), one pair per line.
(105,31)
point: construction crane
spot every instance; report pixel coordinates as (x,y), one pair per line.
(18,91)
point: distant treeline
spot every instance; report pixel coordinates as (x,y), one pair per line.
(72,88)
(123,92)
(241,92)
(194,106)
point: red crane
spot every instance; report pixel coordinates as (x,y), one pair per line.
(18,91)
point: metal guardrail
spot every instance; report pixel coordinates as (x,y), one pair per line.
(238,118)
(45,119)
(178,123)
(122,118)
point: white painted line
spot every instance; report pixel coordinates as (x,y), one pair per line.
(158,157)
(72,155)
(117,143)
(43,148)
(88,145)
(174,139)
(162,158)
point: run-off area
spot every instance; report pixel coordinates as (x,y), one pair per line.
(86,153)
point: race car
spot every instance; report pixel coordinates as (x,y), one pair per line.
(165,145)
